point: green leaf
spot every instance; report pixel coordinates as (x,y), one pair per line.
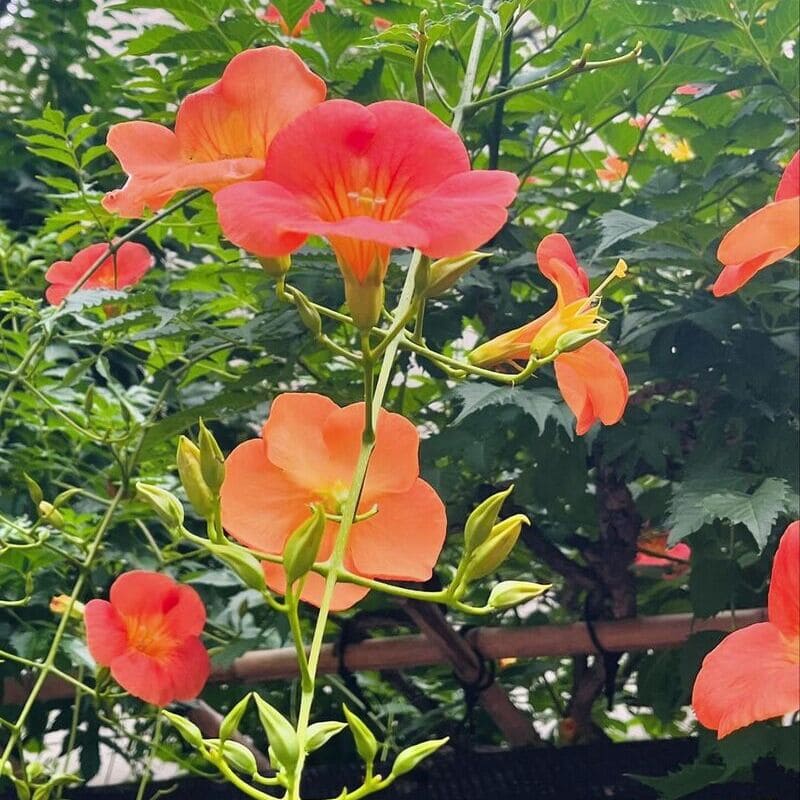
(618,225)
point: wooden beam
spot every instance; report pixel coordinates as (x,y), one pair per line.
(406,652)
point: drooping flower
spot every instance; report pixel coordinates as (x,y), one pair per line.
(615,169)
(753,674)
(222,133)
(123,269)
(368,179)
(274,16)
(148,635)
(653,551)
(591,378)
(766,236)
(308,455)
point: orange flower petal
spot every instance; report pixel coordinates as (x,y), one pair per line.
(106,635)
(558,264)
(789,185)
(752,675)
(345,595)
(222,132)
(188,669)
(404,539)
(299,417)
(784,586)
(140,593)
(394,465)
(261,506)
(766,236)
(594,385)
(143,677)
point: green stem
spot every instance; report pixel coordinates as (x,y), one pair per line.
(148,768)
(471,72)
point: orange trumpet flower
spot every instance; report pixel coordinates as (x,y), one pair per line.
(368,179)
(766,236)
(308,455)
(591,378)
(119,271)
(274,16)
(222,133)
(753,674)
(615,169)
(148,635)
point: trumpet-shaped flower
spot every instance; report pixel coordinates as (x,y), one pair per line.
(308,455)
(274,16)
(369,179)
(121,270)
(591,378)
(754,673)
(654,552)
(222,133)
(148,635)
(766,236)
(615,169)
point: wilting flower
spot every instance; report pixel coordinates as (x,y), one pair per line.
(308,455)
(274,16)
(653,551)
(766,236)
(591,378)
(615,169)
(367,178)
(221,135)
(690,89)
(148,634)
(754,673)
(121,270)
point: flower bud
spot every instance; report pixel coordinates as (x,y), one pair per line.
(239,757)
(51,515)
(409,758)
(34,490)
(309,315)
(212,462)
(247,567)
(230,723)
(575,339)
(481,521)
(365,741)
(319,733)
(191,474)
(275,267)
(188,730)
(494,551)
(282,738)
(302,546)
(60,604)
(167,507)
(447,271)
(508,594)
(580,316)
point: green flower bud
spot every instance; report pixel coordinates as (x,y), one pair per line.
(275,267)
(575,339)
(319,733)
(508,594)
(51,515)
(309,315)
(188,730)
(366,743)
(409,758)
(188,460)
(302,546)
(212,462)
(447,271)
(494,551)
(230,723)
(482,520)
(280,733)
(239,757)
(167,507)
(34,490)
(247,567)
(365,300)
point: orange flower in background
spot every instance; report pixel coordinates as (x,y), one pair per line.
(754,673)
(766,236)
(641,121)
(119,271)
(615,169)
(689,89)
(653,551)
(274,16)
(368,179)
(381,24)
(221,135)
(148,635)
(308,455)
(591,379)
